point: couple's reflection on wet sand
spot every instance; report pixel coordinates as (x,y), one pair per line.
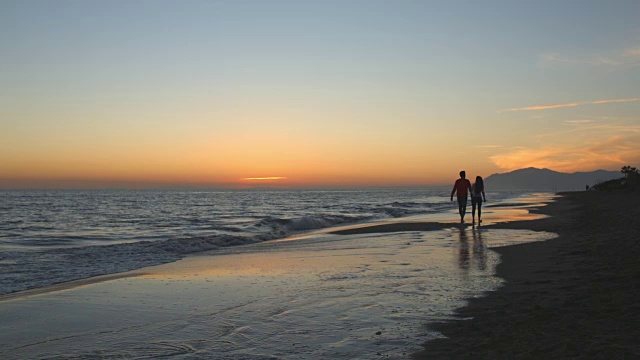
(476,259)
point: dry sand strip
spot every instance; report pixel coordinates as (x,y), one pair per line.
(576,296)
(394,227)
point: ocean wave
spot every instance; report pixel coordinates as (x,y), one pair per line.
(20,270)
(397,210)
(393,211)
(23,270)
(284,226)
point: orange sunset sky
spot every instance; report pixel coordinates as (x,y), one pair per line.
(313,93)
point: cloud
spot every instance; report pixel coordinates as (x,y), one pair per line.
(543,107)
(618,58)
(492,146)
(268,178)
(633,52)
(571,104)
(610,152)
(581,121)
(614,101)
(585,132)
(540,158)
(596,60)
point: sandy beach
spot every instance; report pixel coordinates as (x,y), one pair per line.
(572,297)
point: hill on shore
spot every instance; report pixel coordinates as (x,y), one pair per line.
(545,179)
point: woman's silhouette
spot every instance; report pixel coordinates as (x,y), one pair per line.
(477,196)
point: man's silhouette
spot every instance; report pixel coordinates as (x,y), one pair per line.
(462,187)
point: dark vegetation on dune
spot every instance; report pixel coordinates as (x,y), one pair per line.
(630,181)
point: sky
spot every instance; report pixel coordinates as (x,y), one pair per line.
(301,93)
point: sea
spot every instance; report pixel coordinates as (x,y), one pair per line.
(54,236)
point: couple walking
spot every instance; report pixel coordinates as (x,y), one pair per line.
(477,195)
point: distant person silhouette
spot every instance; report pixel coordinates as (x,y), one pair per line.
(477,196)
(461,186)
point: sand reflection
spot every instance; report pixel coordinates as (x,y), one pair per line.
(471,255)
(479,250)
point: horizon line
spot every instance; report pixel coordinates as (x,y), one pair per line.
(76,184)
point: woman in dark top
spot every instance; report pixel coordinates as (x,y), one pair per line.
(477,196)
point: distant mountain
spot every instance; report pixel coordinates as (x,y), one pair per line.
(545,179)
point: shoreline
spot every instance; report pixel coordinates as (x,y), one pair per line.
(514,211)
(572,296)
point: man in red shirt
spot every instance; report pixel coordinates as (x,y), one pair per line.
(461,186)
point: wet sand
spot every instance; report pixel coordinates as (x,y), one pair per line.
(576,296)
